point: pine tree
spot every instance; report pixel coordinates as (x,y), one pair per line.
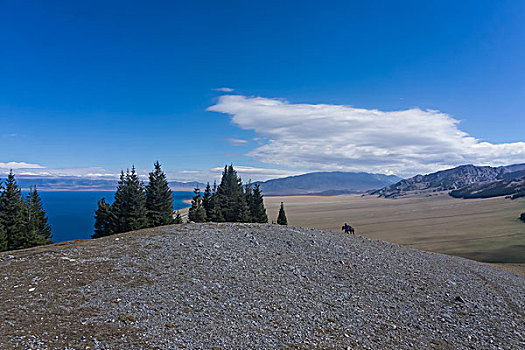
(129,207)
(3,233)
(3,236)
(257,208)
(118,208)
(231,200)
(248,195)
(281,219)
(178,218)
(39,230)
(216,213)
(522,217)
(197,212)
(207,202)
(137,202)
(104,220)
(159,200)
(14,213)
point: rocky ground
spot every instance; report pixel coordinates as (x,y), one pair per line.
(222,286)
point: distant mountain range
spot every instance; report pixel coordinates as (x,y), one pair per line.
(73,183)
(319,183)
(186,186)
(466,181)
(326,183)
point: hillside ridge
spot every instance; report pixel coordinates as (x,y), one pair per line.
(459,178)
(253,285)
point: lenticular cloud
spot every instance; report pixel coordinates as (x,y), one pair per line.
(320,136)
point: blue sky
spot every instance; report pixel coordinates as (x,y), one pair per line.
(90,87)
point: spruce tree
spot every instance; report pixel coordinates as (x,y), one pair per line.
(104,220)
(3,236)
(231,199)
(39,230)
(159,200)
(257,208)
(216,213)
(14,213)
(248,195)
(129,207)
(118,208)
(137,202)
(281,218)
(207,202)
(197,212)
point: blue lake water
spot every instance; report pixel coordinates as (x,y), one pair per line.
(72,214)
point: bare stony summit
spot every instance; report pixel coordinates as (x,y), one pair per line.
(222,286)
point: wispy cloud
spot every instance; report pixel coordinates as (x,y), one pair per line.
(28,169)
(37,170)
(236,142)
(224,89)
(330,137)
(20,165)
(259,172)
(245,172)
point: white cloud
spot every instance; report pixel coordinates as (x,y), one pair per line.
(245,172)
(236,142)
(258,173)
(224,89)
(338,137)
(20,165)
(28,169)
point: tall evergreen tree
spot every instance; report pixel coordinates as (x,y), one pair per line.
(104,220)
(39,230)
(248,195)
(14,213)
(137,202)
(159,200)
(257,208)
(216,213)
(197,213)
(522,217)
(3,236)
(129,207)
(118,207)
(231,200)
(207,202)
(281,218)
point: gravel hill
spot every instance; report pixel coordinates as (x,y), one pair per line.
(222,286)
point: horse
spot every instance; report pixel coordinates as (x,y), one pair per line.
(348,229)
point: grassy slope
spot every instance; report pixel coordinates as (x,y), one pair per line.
(481,229)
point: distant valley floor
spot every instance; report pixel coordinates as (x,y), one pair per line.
(486,230)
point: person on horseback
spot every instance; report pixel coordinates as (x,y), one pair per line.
(348,229)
